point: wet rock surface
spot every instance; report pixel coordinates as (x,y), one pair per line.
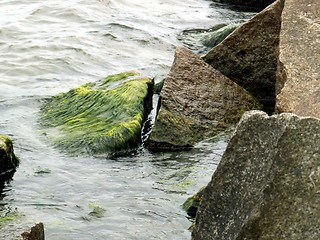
(267,184)
(35,233)
(99,118)
(8,160)
(197,101)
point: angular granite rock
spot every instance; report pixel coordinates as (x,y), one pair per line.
(103,117)
(249,55)
(197,101)
(267,184)
(8,161)
(298,85)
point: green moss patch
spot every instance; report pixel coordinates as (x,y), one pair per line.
(8,160)
(101,117)
(191,205)
(7,215)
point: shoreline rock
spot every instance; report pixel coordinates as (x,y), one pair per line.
(267,183)
(196,102)
(34,233)
(8,160)
(298,75)
(249,55)
(100,118)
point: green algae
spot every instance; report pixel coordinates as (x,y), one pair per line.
(8,160)
(98,118)
(191,205)
(8,216)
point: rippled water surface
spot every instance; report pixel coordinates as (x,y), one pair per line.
(49,47)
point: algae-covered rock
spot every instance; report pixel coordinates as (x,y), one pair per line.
(102,117)
(8,160)
(191,205)
(197,102)
(217,34)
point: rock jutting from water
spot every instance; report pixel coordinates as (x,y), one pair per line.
(217,34)
(191,205)
(34,233)
(196,102)
(249,55)
(8,160)
(100,118)
(267,184)
(299,60)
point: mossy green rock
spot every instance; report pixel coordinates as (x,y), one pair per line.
(8,161)
(191,205)
(218,34)
(103,117)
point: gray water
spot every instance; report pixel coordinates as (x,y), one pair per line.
(49,47)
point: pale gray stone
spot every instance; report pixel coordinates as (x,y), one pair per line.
(298,85)
(267,184)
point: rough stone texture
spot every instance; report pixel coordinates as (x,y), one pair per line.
(249,55)
(196,102)
(267,184)
(249,3)
(35,233)
(299,66)
(8,161)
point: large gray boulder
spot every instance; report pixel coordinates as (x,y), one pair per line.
(267,184)
(298,85)
(197,101)
(249,55)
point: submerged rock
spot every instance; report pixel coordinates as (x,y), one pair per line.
(249,55)
(267,184)
(196,102)
(104,117)
(248,3)
(217,35)
(191,205)
(299,62)
(8,160)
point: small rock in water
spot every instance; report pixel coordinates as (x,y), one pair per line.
(35,233)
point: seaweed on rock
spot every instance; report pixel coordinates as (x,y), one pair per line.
(8,160)
(103,117)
